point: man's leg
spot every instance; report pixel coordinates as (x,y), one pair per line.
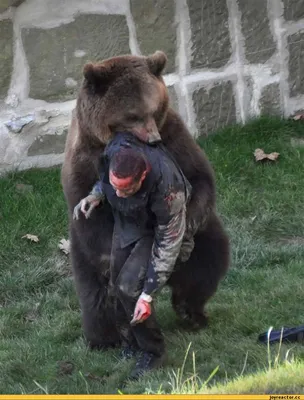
(129,285)
(118,258)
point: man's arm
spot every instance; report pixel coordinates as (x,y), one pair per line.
(97,191)
(92,201)
(170,212)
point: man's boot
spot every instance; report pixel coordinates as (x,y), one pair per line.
(128,352)
(145,362)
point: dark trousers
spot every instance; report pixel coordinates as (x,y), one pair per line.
(128,270)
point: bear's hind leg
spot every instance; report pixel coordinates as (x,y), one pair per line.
(195,281)
(96,306)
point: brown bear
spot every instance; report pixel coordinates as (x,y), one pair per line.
(127,93)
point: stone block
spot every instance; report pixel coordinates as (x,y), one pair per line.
(48,144)
(215,108)
(296,60)
(39,133)
(173,100)
(259,42)
(293,9)
(270,103)
(211,46)
(5,4)
(6,55)
(155,28)
(57,58)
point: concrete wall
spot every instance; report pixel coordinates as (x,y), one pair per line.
(229,60)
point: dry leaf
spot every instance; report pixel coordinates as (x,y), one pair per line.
(64,245)
(273,156)
(261,155)
(32,238)
(297,117)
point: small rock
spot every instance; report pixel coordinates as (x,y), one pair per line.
(16,124)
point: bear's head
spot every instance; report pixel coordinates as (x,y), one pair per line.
(125,93)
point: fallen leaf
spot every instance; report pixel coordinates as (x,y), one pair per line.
(22,188)
(32,238)
(65,367)
(261,155)
(273,156)
(64,246)
(298,116)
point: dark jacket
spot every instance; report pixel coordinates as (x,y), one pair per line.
(158,208)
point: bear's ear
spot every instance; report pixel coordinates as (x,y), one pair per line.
(157,62)
(95,73)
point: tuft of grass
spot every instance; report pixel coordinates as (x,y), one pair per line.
(278,377)
(191,384)
(261,205)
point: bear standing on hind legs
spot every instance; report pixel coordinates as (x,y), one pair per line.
(127,93)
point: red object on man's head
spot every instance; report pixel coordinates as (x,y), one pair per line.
(121,183)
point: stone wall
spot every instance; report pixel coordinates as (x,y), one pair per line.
(229,60)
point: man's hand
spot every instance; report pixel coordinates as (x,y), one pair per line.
(89,202)
(142,309)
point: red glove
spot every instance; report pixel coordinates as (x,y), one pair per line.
(142,309)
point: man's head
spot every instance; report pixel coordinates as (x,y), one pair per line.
(128,169)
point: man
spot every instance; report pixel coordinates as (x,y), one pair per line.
(148,194)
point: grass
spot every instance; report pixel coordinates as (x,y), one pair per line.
(41,345)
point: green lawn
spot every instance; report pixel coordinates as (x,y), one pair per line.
(41,345)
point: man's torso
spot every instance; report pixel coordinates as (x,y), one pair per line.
(133,216)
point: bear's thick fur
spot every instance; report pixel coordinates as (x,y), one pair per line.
(128,93)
